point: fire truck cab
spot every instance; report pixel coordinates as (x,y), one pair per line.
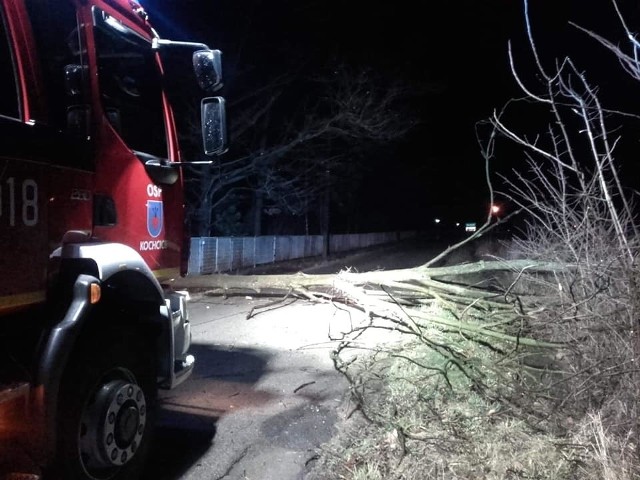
(91,230)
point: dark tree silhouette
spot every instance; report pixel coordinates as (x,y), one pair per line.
(295,140)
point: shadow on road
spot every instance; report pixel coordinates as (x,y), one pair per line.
(180,440)
(222,381)
(245,365)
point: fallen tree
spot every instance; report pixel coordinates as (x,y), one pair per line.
(404,294)
(480,302)
(447,331)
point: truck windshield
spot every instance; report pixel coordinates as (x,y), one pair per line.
(130,85)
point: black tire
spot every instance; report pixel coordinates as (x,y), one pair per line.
(107,406)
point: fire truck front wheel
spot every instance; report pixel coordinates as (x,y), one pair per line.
(106,408)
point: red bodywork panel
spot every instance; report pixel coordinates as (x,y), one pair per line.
(41,199)
(150,216)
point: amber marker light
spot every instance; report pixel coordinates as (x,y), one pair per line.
(94,293)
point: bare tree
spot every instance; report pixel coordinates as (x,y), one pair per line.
(580,214)
(285,141)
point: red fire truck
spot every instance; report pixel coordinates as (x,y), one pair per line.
(91,230)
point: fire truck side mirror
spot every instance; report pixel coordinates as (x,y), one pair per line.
(214,126)
(207,65)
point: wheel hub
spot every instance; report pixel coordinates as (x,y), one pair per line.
(126,425)
(113,425)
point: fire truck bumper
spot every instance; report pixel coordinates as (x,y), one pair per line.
(183,361)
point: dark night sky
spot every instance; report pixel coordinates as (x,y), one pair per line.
(460,46)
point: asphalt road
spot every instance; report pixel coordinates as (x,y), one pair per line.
(263,396)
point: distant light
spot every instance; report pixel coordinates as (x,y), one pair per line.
(457,224)
(437,220)
(495,209)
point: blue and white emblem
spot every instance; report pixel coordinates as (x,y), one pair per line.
(154,217)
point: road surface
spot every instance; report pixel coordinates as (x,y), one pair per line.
(263,396)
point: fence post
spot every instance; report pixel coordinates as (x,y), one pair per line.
(216,250)
(200,254)
(273,255)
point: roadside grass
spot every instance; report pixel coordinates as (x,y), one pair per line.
(416,424)
(426,430)
(414,415)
